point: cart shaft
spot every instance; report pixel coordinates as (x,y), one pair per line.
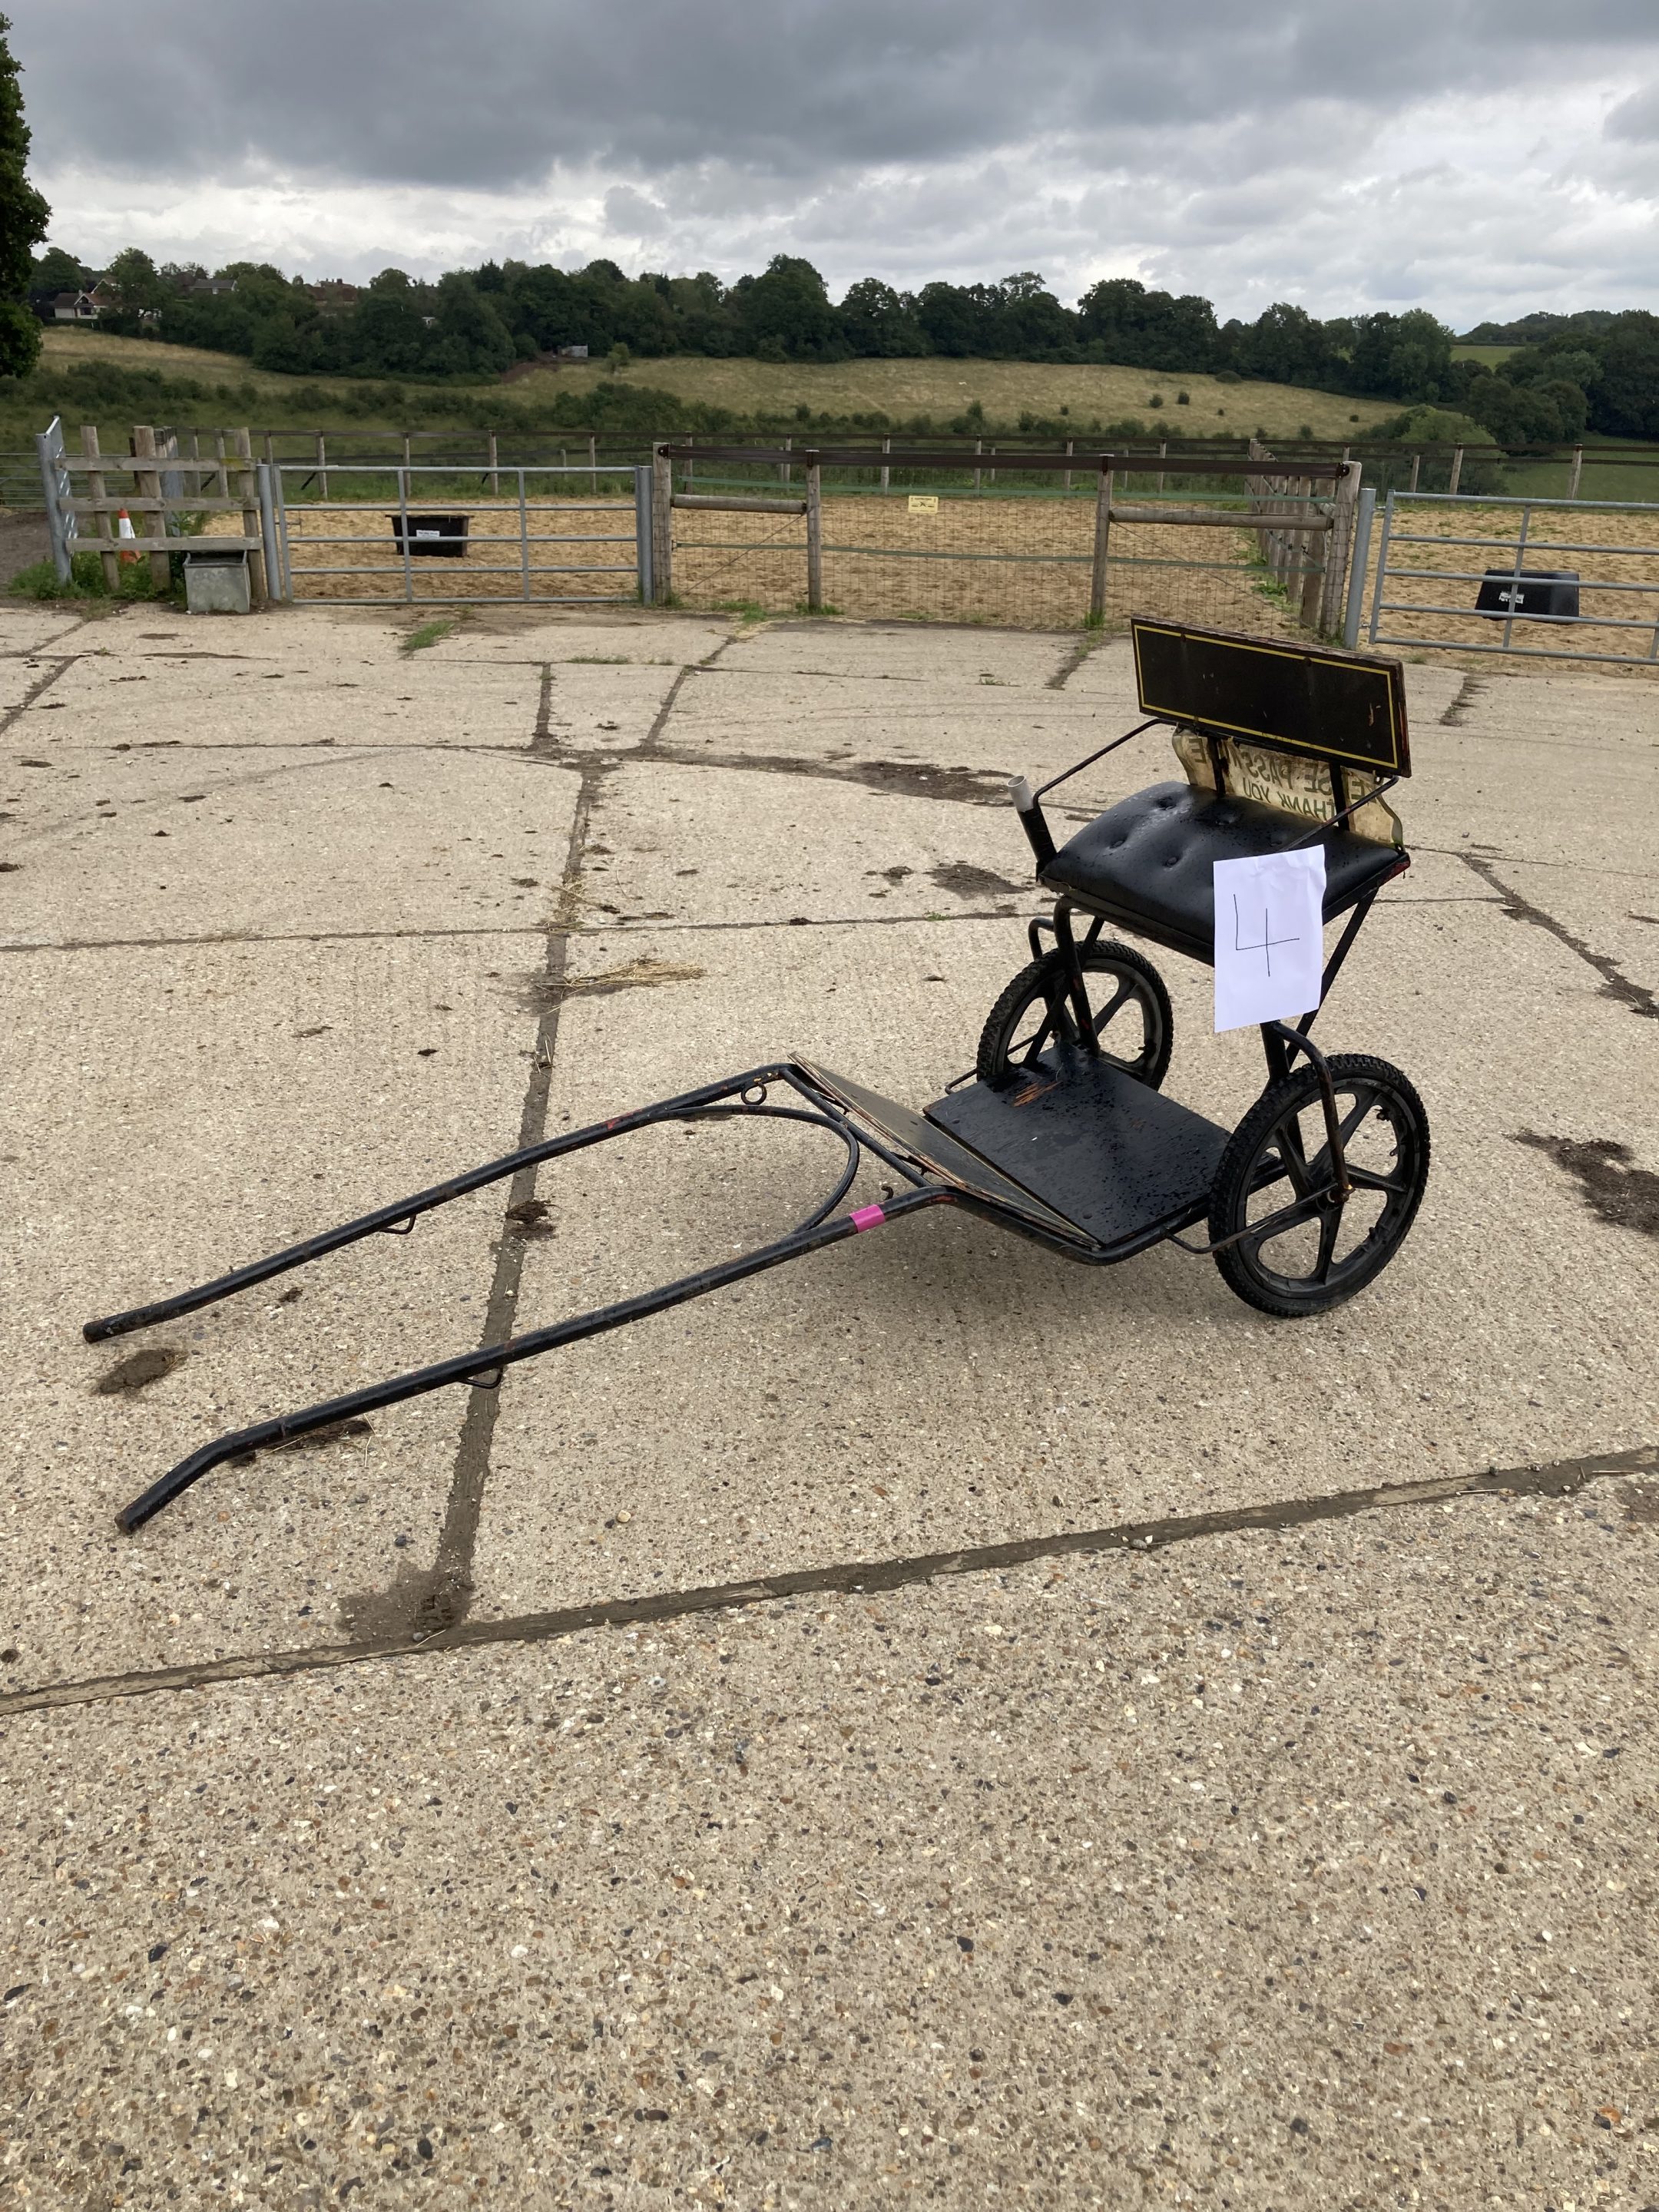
(483,1369)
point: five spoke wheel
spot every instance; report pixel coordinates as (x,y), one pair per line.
(1293,1240)
(1128,1012)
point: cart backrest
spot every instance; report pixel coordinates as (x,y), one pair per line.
(1296,728)
(1346,707)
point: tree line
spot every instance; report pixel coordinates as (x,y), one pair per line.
(1597,374)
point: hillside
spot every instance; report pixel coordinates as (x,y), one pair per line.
(902,390)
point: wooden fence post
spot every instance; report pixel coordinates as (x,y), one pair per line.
(1577,471)
(593,463)
(886,473)
(1457,476)
(1416,471)
(662,525)
(147,485)
(95,491)
(494,478)
(1103,537)
(248,493)
(1065,480)
(1338,547)
(978,447)
(814,536)
(1257,489)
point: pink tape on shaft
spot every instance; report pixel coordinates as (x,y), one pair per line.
(867,1216)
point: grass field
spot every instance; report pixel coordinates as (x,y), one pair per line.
(901,389)
(1492,355)
(1004,389)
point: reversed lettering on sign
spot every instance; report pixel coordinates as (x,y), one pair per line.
(1290,781)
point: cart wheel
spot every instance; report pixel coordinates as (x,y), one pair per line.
(1127,999)
(1278,1161)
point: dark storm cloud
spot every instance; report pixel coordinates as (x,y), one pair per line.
(489,94)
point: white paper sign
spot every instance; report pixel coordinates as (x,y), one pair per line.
(1269,937)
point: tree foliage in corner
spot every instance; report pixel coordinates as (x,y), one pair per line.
(23,219)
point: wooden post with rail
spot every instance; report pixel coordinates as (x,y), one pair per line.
(1103,540)
(247,491)
(147,487)
(1339,552)
(96,492)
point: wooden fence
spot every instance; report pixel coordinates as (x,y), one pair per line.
(1303,522)
(164,494)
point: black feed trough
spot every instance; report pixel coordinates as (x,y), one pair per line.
(1061,1132)
(435,536)
(1535,595)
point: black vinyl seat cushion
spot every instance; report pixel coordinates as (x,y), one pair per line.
(1146,863)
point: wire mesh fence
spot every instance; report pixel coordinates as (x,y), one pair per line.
(946,556)
(1026,551)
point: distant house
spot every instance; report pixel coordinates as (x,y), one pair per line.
(332,294)
(210,287)
(73,307)
(572,353)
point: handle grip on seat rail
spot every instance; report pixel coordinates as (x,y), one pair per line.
(1032,820)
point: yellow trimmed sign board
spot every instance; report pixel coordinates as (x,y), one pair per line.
(924,502)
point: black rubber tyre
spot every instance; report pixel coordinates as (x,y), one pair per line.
(1123,988)
(1278,1159)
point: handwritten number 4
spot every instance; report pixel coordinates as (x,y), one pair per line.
(1267,941)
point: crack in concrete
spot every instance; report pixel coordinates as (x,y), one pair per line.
(969,787)
(1457,714)
(1069,668)
(1557,1479)
(1616,984)
(420,1604)
(35,691)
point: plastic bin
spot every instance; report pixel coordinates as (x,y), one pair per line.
(1539,595)
(432,537)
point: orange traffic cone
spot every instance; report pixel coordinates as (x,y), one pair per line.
(123,529)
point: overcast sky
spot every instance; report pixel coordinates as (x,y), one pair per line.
(1478,157)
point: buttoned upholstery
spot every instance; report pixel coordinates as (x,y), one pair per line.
(1146,864)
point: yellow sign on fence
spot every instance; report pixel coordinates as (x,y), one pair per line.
(924,502)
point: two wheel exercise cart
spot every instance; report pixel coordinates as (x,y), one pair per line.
(1061,1133)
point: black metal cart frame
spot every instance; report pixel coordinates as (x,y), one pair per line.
(1076,1154)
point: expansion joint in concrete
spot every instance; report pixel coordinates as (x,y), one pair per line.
(1559,1479)
(1616,984)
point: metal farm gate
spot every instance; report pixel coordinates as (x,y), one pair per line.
(1539,578)
(423,535)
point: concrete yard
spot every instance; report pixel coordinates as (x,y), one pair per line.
(931,1723)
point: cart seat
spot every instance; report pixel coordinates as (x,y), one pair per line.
(1147,863)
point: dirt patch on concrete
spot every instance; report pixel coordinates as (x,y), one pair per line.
(1612,1189)
(539,993)
(139,1370)
(966,881)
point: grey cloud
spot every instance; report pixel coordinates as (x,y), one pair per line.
(489,94)
(1636,117)
(1288,149)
